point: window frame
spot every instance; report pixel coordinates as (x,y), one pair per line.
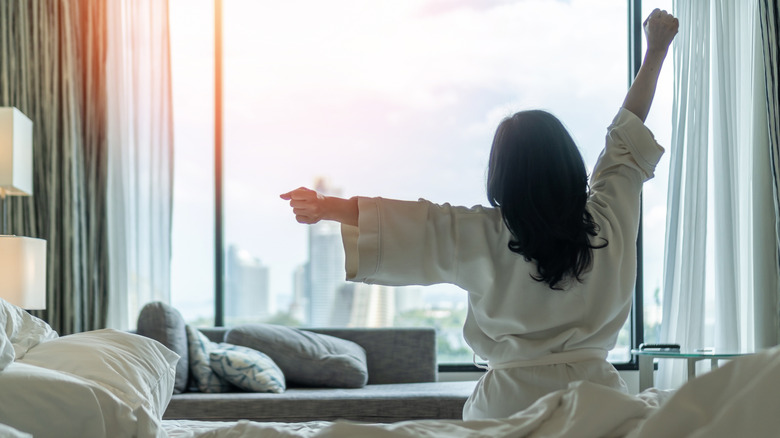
(635,32)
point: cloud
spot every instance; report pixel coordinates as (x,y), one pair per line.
(411,58)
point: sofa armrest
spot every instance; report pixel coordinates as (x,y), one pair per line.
(215,334)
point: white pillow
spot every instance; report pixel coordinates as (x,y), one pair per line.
(248,369)
(19,331)
(48,403)
(138,370)
(205,378)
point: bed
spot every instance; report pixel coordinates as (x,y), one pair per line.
(117,384)
(737,400)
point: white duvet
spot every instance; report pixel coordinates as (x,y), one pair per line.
(584,410)
(740,399)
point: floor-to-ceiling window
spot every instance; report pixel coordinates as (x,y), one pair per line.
(654,195)
(385,98)
(192,69)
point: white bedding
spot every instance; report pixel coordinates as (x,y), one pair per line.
(739,399)
(102,383)
(584,410)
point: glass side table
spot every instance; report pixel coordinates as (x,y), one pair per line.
(647,357)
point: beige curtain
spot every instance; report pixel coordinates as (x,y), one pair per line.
(94,77)
(769,23)
(51,57)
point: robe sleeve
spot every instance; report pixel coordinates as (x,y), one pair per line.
(627,161)
(409,242)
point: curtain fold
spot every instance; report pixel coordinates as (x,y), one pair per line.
(686,226)
(140,132)
(52,56)
(734,110)
(721,276)
(769,19)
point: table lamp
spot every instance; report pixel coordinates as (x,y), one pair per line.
(22,259)
(23,271)
(15,157)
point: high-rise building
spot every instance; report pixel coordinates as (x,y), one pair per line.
(409,298)
(247,295)
(299,306)
(326,265)
(364,305)
(326,271)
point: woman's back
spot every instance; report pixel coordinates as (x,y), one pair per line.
(537,339)
(516,322)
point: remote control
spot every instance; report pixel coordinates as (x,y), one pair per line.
(663,347)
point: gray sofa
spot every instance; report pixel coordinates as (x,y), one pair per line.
(402,385)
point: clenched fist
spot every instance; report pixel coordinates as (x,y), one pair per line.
(307,205)
(660,29)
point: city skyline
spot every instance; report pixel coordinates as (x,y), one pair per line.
(323,298)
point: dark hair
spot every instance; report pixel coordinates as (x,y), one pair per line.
(538,179)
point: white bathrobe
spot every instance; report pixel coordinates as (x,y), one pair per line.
(535,339)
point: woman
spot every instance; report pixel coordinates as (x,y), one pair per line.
(549,270)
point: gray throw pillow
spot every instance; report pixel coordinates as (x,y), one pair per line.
(306,358)
(165,324)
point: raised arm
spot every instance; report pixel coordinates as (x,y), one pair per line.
(311,207)
(660,29)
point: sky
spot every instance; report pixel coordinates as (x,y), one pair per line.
(383,98)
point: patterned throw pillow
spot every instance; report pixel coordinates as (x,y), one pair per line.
(200,369)
(246,368)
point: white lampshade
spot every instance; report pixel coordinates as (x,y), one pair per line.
(23,271)
(16,150)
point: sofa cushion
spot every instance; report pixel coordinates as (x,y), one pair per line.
(247,368)
(204,377)
(306,358)
(373,403)
(393,354)
(165,325)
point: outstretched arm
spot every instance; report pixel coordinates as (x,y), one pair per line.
(660,29)
(311,207)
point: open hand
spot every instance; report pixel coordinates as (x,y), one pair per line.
(307,205)
(660,29)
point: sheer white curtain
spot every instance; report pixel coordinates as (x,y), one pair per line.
(140,140)
(720,271)
(686,228)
